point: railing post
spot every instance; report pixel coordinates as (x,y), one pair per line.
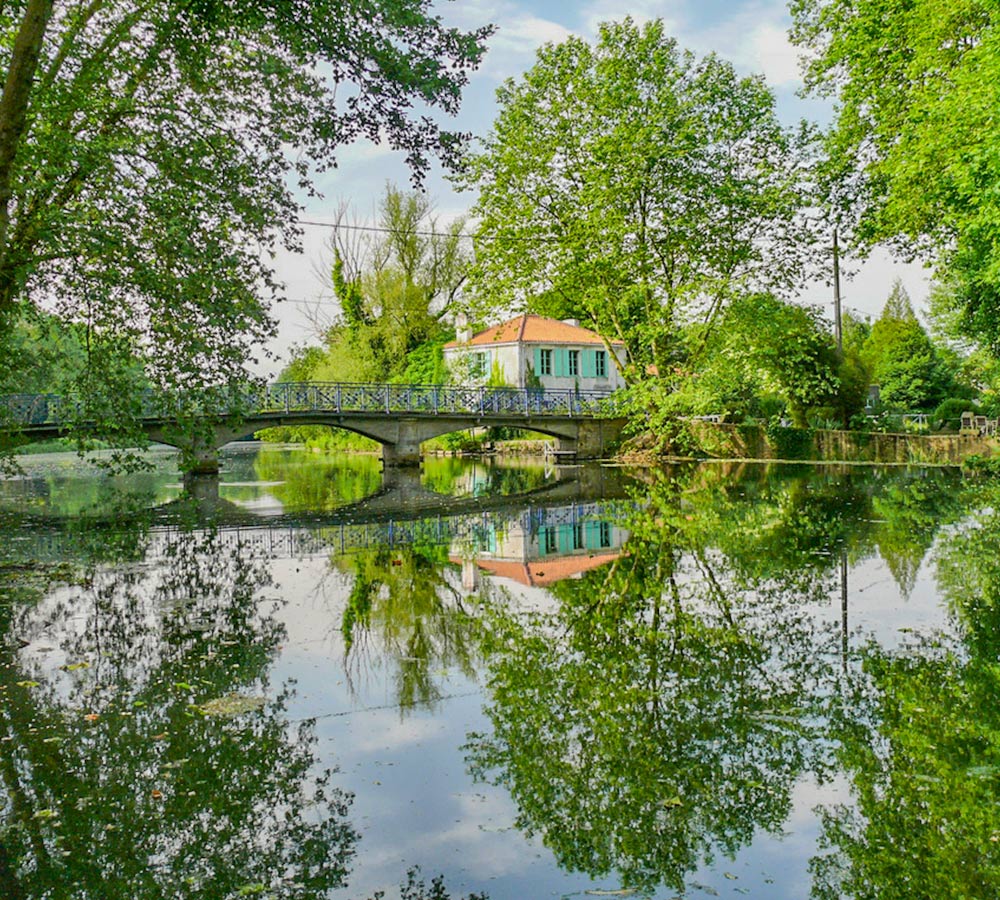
(337,393)
(482,391)
(387,400)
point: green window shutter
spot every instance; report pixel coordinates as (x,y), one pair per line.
(538,360)
(562,367)
(587,363)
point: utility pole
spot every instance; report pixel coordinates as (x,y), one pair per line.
(838,330)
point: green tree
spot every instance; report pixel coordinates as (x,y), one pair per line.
(394,286)
(901,357)
(643,186)
(917,85)
(149,153)
(765,347)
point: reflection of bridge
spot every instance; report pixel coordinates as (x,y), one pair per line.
(287,540)
(402,511)
(399,417)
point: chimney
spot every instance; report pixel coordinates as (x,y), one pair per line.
(463,333)
(574,322)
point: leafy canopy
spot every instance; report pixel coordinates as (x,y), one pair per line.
(150,151)
(917,85)
(635,187)
(901,357)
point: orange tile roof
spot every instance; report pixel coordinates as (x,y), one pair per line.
(532,329)
(542,572)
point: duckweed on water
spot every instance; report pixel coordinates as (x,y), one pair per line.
(231,705)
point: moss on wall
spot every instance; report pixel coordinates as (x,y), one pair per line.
(758,442)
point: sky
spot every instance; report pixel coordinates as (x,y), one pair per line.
(752,34)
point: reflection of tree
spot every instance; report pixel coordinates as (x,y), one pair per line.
(920,738)
(662,712)
(315,482)
(455,476)
(115,784)
(909,514)
(402,598)
(919,735)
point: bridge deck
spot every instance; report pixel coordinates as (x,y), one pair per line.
(389,400)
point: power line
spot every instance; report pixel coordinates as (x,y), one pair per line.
(381,229)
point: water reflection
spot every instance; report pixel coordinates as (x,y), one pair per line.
(663,709)
(919,735)
(661,670)
(126,774)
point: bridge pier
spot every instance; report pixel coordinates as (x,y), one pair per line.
(200,460)
(401,455)
(595,438)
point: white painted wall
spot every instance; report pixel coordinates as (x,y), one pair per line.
(516,360)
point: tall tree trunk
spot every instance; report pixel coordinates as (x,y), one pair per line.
(13,116)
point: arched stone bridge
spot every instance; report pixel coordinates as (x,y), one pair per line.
(399,417)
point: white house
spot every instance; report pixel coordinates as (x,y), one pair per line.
(534,350)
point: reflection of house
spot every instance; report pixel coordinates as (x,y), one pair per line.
(532,351)
(549,546)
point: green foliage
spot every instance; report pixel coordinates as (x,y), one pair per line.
(425,363)
(790,443)
(764,347)
(151,154)
(917,86)
(634,187)
(949,412)
(901,357)
(303,364)
(395,288)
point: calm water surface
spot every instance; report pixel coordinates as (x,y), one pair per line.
(302,682)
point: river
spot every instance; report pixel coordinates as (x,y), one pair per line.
(305,680)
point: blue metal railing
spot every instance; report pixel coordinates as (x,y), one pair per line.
(332,397)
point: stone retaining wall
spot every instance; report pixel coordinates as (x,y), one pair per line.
(757,442)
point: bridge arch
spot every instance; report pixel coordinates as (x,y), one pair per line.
(399,417)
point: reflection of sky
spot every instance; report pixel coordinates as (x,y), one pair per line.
(415,802)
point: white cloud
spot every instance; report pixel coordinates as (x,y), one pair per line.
(641,11)
(773,54)
(513,47)
(755,39)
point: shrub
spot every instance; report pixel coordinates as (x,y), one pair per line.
(949,413)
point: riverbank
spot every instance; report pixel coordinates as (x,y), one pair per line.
(758,442)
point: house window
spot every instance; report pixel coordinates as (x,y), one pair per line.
(601,363)
(551,543)
(479,364)
(545,362)
(605,534)
(573,363)
(578,536)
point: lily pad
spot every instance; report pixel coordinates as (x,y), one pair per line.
(231,705)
